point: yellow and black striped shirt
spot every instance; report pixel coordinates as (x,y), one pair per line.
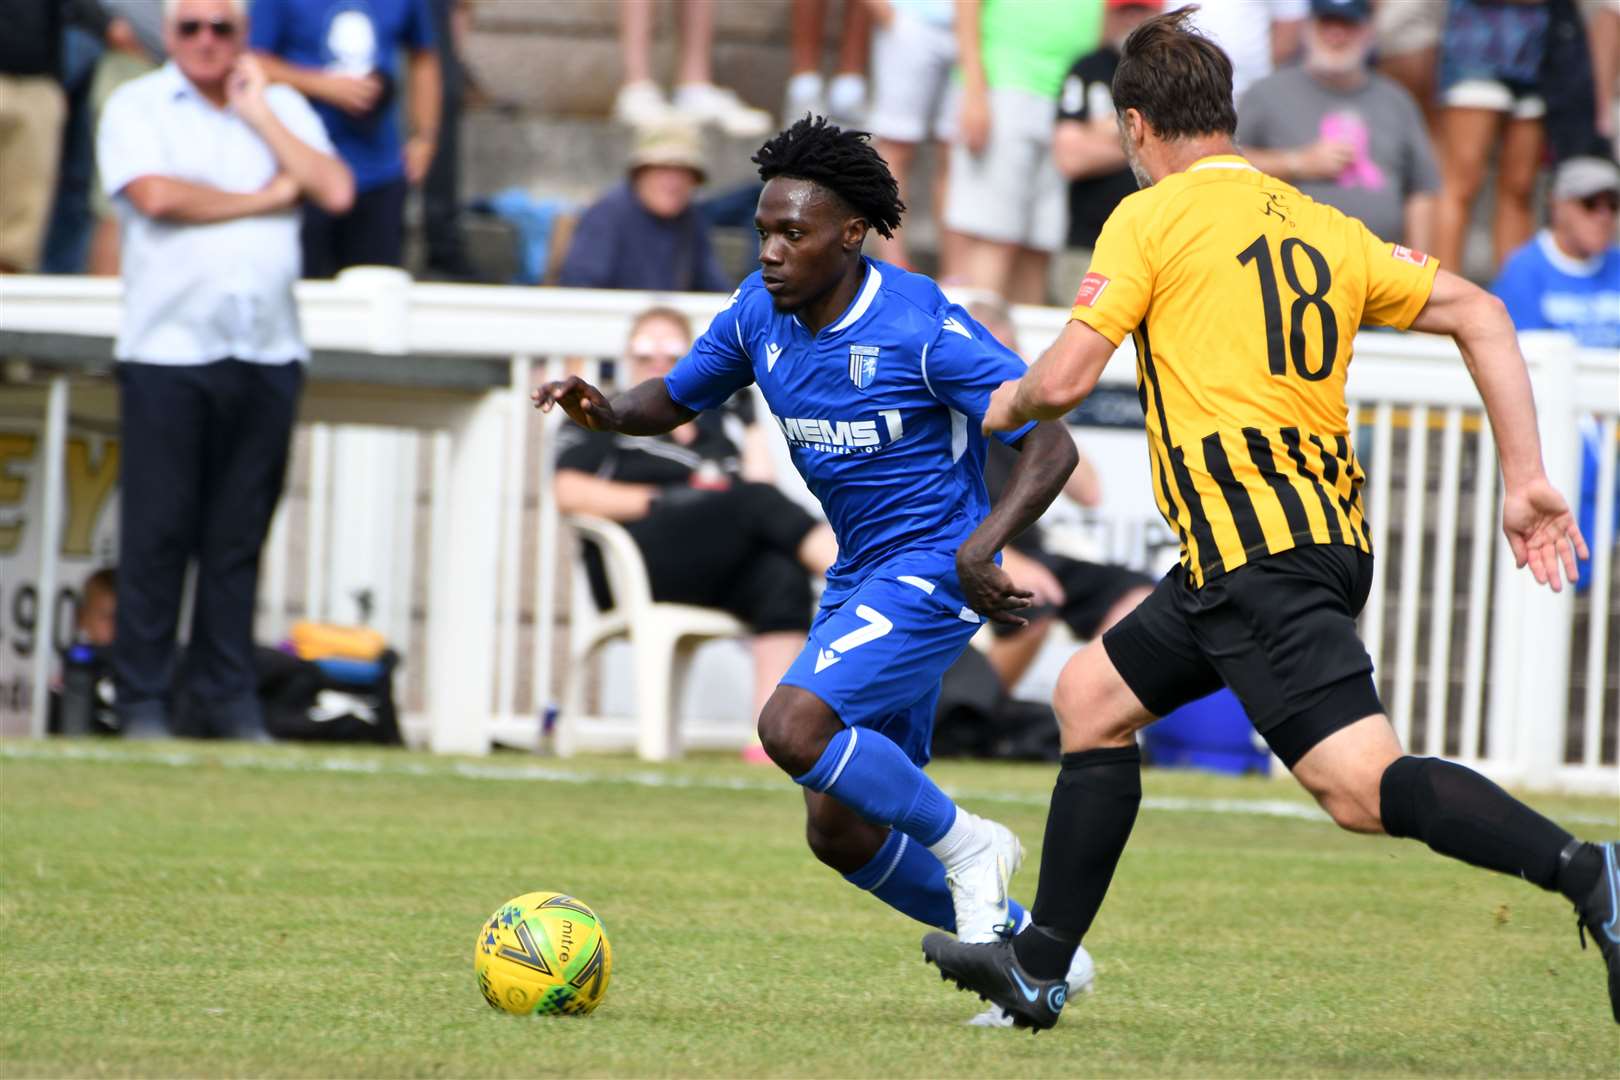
(1243,297)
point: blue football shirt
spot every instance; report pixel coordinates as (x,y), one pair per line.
(881,411)
(353,37)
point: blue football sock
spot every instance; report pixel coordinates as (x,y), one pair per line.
(907,877)
(867,772)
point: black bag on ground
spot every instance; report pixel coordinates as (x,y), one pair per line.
(975,717)
(302,701)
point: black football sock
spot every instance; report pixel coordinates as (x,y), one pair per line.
(1093,808)
(1459,813)
(1579,867)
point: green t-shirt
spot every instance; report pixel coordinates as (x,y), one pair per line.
(1030,45)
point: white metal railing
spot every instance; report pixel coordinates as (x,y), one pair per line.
(1474,661)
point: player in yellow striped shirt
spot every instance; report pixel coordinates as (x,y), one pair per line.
(1243,296)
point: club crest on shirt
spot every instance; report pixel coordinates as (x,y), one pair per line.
(863,361)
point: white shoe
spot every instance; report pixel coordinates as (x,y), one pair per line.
(640,104)
(1082,979)
(805,96)
(978,881)
(706,103)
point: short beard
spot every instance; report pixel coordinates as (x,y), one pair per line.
(1143,180)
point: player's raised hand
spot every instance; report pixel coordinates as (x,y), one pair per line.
(1542,532)
(989,591)
(583,403)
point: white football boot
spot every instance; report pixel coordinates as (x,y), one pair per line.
(978,875)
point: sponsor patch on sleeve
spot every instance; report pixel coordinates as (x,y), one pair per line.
(1091,289)
(1406,254)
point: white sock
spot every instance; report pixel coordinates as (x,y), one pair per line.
(805,86)
(846,93)
(960,840)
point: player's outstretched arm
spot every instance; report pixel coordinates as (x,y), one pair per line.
(1046,457)
(1057,382)
(646,409)
(1539,526)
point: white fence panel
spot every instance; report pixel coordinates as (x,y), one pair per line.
(483,651)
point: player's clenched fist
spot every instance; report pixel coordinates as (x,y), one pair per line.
(583,403)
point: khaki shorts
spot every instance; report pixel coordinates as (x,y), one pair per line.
(31,113)
(911,74)
(1012,193)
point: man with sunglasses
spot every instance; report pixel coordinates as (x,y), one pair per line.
(343,56)
(206,164)
(1568,278)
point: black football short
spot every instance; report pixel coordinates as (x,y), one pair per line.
(1279,631)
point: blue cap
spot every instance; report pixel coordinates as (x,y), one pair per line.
(1350,10)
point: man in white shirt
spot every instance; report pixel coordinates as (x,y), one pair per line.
(207,165)
(1258,35)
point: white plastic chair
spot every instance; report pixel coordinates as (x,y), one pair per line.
(662,636)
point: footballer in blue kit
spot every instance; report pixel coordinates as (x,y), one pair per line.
(881,414)
(879,384)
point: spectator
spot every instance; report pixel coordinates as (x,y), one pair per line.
(1258,35)
(1490,66)
(641,102)
(206,163)
(1088,597)
(1086,143)
(645,233)
(441,190)
(1406,35)
(83,699)
(118,66)
(67,231)
(1568,278)
(342,55)
(1006,194)
(914,51)
(32,112)
(844,98)
(1342,133)
(758,549)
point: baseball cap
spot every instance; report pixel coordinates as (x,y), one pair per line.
(1154,4)
(672,143)
(1582,176)
(1351,10)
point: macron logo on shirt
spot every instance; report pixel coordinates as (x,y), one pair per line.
(955,327)
(772,351)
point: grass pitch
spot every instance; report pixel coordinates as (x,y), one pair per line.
(185,909)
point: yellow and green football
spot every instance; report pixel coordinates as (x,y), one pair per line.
(543,954)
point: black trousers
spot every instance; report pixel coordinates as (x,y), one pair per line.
(204,455)
(441,188)
(372,233)
(732,549)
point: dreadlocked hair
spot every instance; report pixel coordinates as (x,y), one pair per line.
(843,162)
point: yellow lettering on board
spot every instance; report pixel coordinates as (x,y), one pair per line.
(89,483)
(14,446)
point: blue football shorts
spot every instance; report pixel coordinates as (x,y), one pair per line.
(877,657)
